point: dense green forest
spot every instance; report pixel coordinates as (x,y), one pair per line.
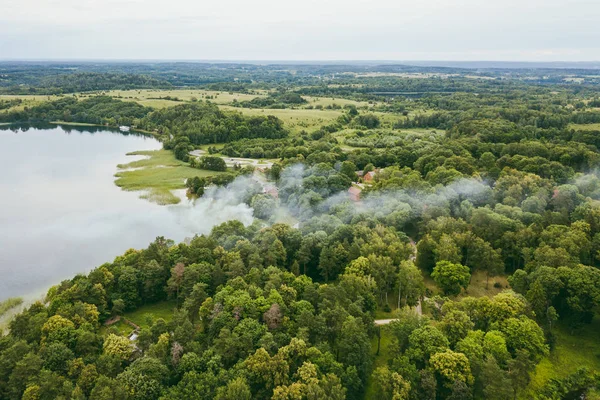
(459,271)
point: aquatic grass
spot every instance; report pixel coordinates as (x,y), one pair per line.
(157,175)
(9,304)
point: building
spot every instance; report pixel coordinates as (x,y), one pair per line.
(369,176)
(271,191)
(354,193)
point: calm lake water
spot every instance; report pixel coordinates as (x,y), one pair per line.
(62,214)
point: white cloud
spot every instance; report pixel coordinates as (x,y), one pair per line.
(311,29)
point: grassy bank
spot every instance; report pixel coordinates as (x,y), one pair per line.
(157,175)
(379,360)
(571,351)
(144,315)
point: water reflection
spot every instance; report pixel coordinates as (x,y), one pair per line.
(60,212)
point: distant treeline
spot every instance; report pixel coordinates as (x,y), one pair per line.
(273,101)
(101,110)
(79,82)
(199,123)
(317,79)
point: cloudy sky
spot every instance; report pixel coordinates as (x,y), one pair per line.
(520,30)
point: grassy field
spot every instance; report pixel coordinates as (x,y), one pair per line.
(152,98)
(329,101)
(155,311)
(585,127)
(157,175)
(143,315)
(582,349)
(343,135)
(477,286)
(28,101)
(296,119)
(378,360)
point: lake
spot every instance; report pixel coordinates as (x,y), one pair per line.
(61,213)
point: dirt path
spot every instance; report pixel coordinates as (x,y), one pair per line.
(231,161)
(418,308)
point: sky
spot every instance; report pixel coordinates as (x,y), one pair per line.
(495,30)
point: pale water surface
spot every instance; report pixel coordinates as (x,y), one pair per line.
(62,214)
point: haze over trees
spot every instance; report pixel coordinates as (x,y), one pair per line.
(476,230)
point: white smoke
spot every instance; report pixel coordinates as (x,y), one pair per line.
(220,204)
(300,204)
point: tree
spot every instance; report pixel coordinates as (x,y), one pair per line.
(449,367)
(154,278)
(369,121)
(524,334)
(22,372)
(519,369)
(494,345)
(144,378)
(482,256)
(275,171)
(456,325)
(425,253)
(451,278)
(384,271)
(174,282)
(424,342)
(212,163)
(390,385)
(354,347)
(118,346)
(108,389)
(273,316)
(495,381)
(411,285)
(332,260)
(59,329)
(236,389)
(264,206)
(447,250)
(56,356)
(460,391)
(87,379)
(348,168)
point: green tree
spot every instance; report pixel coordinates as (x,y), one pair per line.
(449,367)
(424,342)
(212,163)
(411,285)
(348,168)
(236,389)
(118,346)
(456,325)
(451,278)
(495,381)
(390,385)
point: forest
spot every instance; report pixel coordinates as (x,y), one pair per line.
(466,267)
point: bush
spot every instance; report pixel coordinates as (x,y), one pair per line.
(212,163)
